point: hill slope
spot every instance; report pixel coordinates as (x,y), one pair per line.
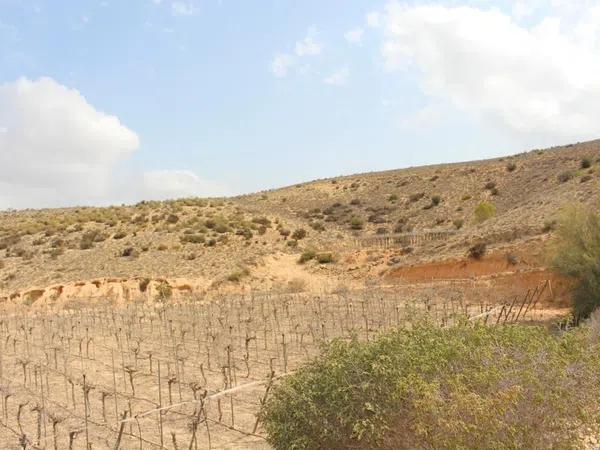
(255,240)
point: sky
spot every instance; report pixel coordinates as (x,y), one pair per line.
(115,101)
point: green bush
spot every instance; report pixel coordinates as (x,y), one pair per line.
(575,252)
(307,255)
(511,167)
(495,387)
(586,163)
(325,258)
(357,223)
(435,200)
(485,211)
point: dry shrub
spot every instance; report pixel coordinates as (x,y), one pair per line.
(478,250)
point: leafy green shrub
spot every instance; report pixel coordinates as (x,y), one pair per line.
(495,387)
(575,252)
(392,198)
(586,163)
(325,258)
(357,223)
(435,200)
(307,255)
(485,211)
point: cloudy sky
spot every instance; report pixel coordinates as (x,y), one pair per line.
(110,101)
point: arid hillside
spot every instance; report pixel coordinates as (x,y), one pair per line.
(366,228)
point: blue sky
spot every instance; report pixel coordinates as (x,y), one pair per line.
(222,97)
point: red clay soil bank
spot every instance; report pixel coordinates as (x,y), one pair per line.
(494,272)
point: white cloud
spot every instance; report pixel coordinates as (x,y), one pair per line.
(56,147)
(338,78)
(168,184)
(524,8)
(281,64)
(424,118)
(354,36)
(373,19)
(309,46)
(541,83)
(181,8)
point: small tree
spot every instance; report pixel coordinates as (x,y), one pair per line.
(575,253)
